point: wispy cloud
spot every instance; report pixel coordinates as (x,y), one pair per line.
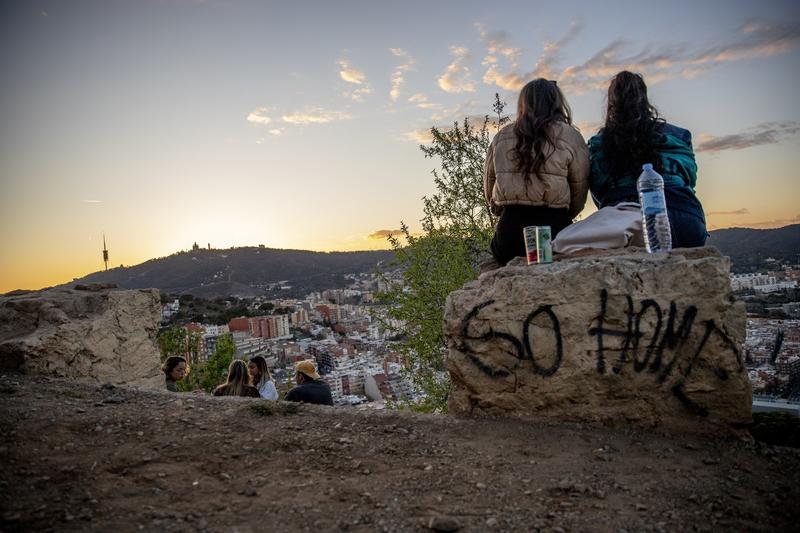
(767,133)
(421,101)
(314,115)
(350,74)
(657,63)
(497,44)
(742,211)
(276,132)
(753,40)
(382,234)
(259,116)
(398,76)
(424,135)
(457,112)
(775,223)
(92,201)
(457,77)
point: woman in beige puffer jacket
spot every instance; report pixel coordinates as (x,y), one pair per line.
(537,169)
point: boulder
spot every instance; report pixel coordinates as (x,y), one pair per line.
(87,332)
(619,337)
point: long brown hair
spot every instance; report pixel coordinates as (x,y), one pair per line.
(540,104)
(237,378)
(630,128)
(263,370)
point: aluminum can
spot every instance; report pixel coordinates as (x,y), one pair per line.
(531,248)
(544,246)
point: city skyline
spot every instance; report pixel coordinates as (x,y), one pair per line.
(243,123)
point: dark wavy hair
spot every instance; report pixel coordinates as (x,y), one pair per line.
(540,104)
(631,125)
(170,364)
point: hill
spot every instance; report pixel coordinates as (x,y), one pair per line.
(750,248)
(248,271)
(79,456)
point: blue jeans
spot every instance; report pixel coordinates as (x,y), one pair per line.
(688,229)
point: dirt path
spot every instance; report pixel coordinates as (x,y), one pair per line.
(78,456)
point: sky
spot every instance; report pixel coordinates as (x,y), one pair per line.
(160,123)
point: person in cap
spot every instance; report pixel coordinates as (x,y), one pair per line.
(310,388)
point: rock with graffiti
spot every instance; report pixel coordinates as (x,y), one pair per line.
(615,338)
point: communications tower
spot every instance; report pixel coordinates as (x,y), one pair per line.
(105,252)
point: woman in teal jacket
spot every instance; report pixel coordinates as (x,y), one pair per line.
(633,135)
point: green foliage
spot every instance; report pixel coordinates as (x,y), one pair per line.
(213,372)
(457,227)
(179,341)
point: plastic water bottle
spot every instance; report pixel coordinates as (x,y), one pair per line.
(657,234)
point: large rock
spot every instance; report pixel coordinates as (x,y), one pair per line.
(93,332)
(632,337)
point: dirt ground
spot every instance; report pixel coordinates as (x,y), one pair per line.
(78,456)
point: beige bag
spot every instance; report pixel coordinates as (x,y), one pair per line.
(617,226)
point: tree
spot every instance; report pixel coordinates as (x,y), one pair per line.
(213,372)
(457,227)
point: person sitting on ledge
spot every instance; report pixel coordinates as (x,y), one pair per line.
(174,369)
(261,379)
(536,171)
(238,382)
(310,388)
(633,135)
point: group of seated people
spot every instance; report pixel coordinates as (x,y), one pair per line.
(539,170)
(253,380)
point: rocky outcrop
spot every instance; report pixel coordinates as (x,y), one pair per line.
(91,331)
(618,337)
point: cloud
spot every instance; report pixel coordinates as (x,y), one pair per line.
(398,76)
(679,61)
(497,44)
(351,74)
(657,63)
(424,136)
(457,78)
(767,133)
(258,116)
(742,211)
(314,115)
(779,223)
(92,201)
(382,234)
(456,112)
(421,101)
(276,132)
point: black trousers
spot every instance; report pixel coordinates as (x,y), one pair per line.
(509,242)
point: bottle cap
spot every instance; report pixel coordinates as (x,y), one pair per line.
(647,166)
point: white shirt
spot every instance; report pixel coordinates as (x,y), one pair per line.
(267,390)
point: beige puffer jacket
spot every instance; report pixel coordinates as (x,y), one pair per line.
(562,182)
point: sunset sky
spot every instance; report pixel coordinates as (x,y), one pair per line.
(297,124)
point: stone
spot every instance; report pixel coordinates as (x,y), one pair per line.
(97,333)
(617,337)
(443,524)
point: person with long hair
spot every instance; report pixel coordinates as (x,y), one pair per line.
(635,134)
(261,379)
(536,171)
(174,369)
(238,382)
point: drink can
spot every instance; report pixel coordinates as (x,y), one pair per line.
(531,249)
(544,247)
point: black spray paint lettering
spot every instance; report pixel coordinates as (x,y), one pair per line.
(522,350)
(654,358)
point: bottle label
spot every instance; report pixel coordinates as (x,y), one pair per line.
(653,202)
